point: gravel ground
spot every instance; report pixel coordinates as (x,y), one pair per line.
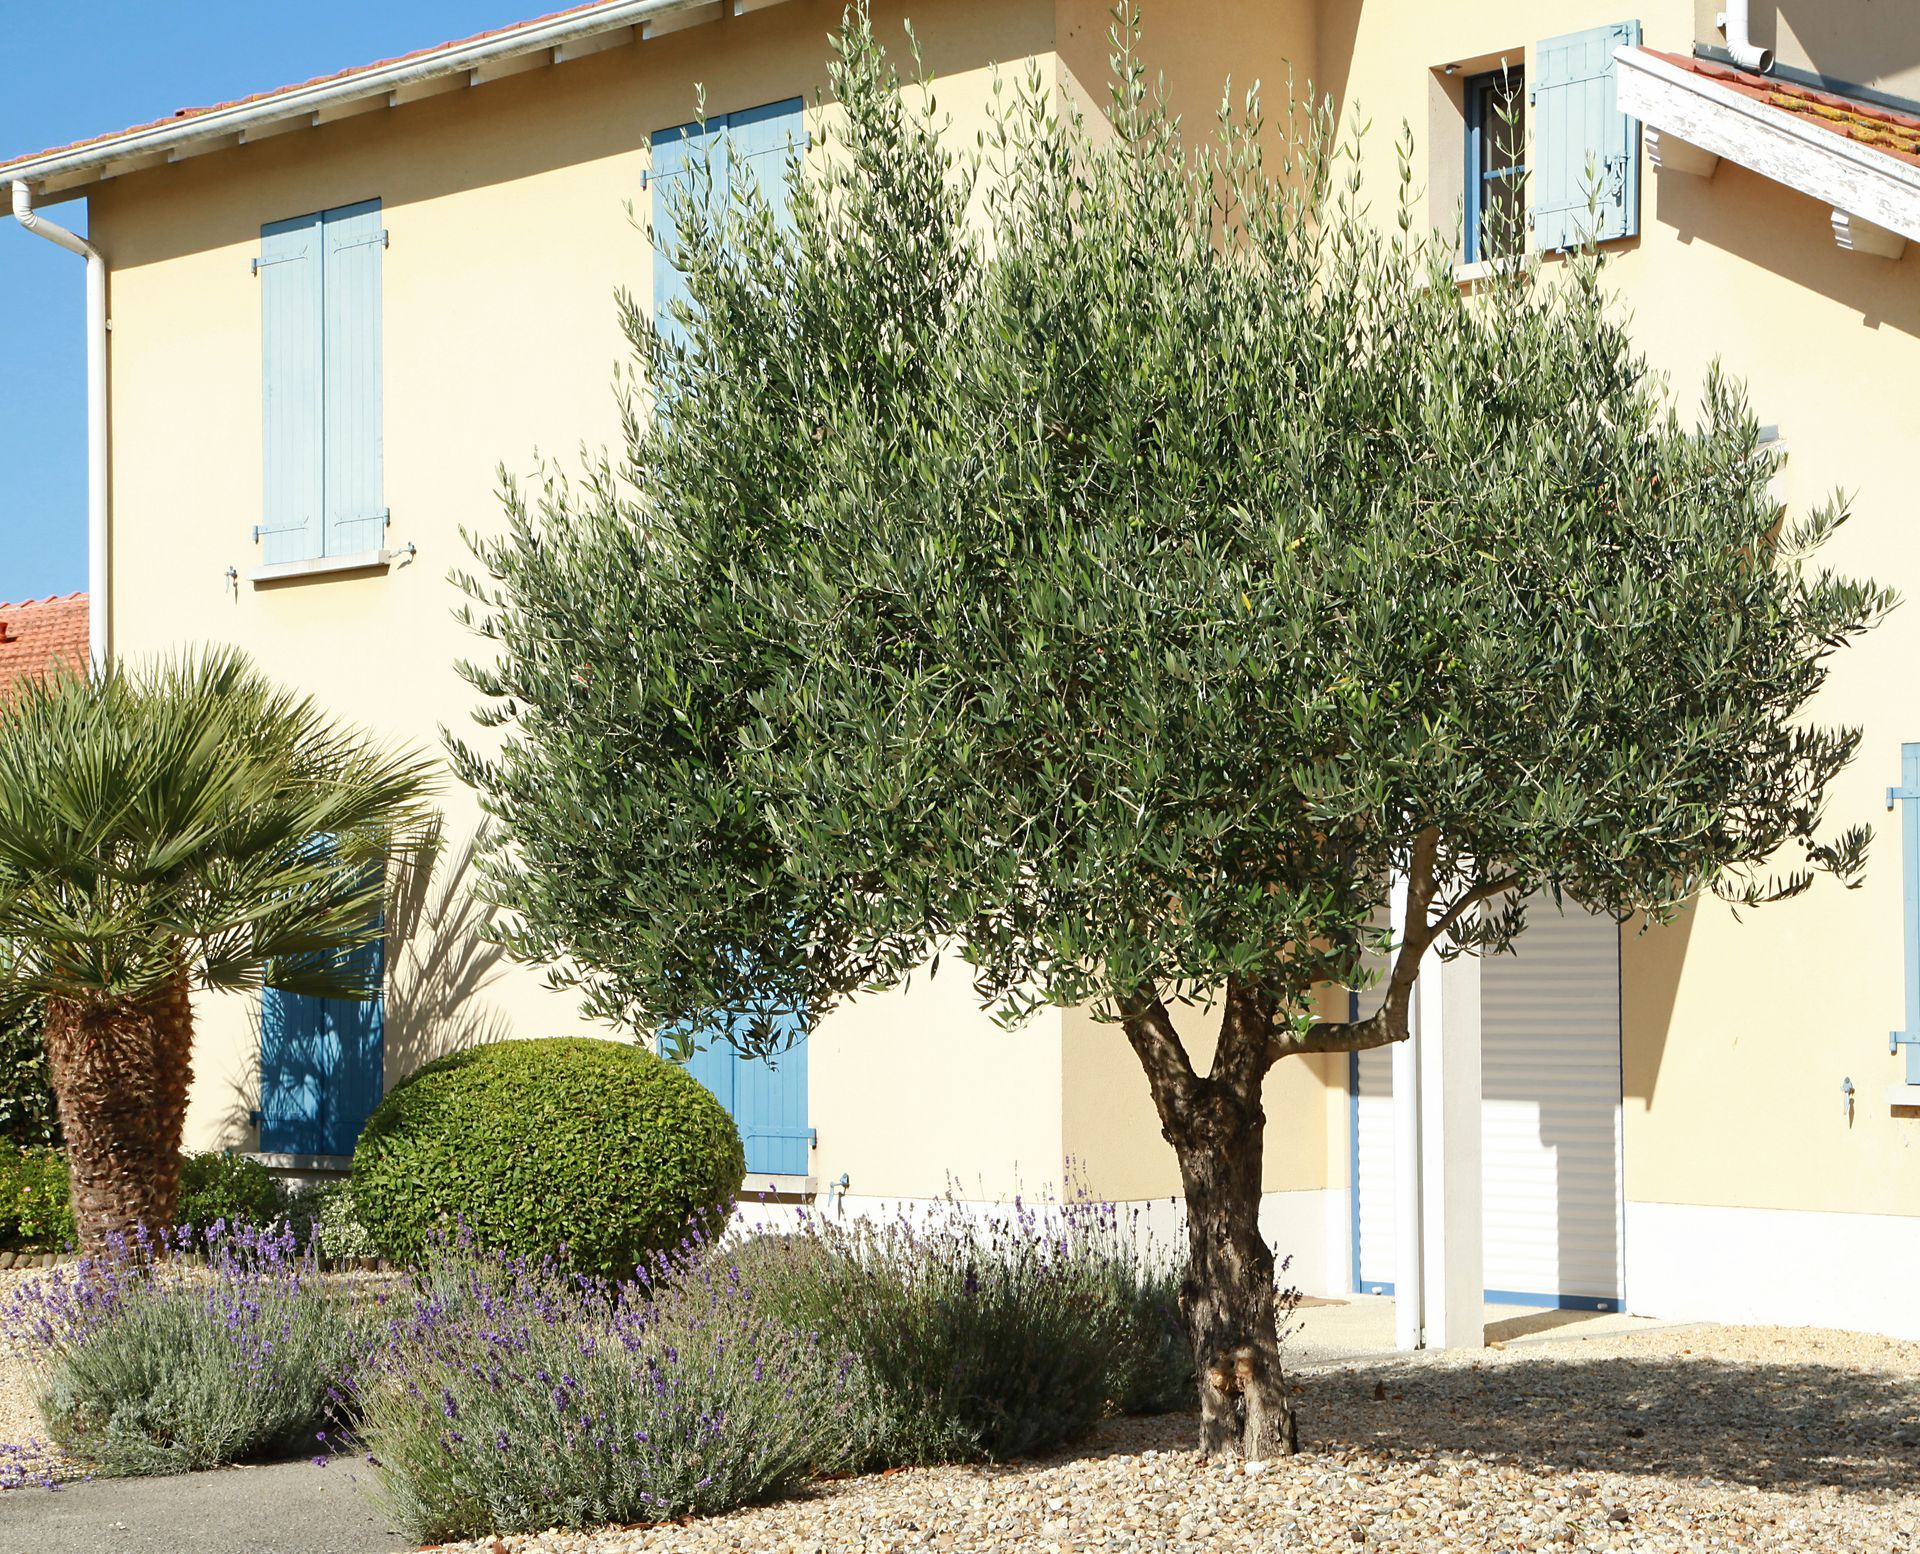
(25,1455)
(1783,1441)
(1658,1441)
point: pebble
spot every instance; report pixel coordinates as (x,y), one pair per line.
(1749,1441)
(1755,1440)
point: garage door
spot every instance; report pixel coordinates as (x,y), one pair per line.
(1550,1078)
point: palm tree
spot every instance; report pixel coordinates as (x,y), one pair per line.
(179,826)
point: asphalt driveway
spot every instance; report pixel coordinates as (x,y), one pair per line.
(284,1508)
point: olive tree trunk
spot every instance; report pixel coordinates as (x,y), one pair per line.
(1217,1128)
(120,1071)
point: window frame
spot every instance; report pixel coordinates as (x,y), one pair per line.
(1479,92)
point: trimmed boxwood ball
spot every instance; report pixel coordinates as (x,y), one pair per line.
(594,1145)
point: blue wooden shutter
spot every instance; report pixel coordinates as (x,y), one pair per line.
(767,1099)
(1582,139)
(322,1064)
(1907,795)
(762,139)
(770,1108)
(355,243)
(675,151)
(292,333)
(759,137)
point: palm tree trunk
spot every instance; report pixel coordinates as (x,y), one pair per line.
(120,1070)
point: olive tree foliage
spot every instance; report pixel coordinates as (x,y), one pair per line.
(1111,556)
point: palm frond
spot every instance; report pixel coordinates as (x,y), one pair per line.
(189,813)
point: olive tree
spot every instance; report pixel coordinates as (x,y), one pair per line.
(1115,558)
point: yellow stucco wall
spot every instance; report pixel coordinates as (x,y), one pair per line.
(1738,1034)
(507,211)
(1866,45)
(509,236)
(1113,1134)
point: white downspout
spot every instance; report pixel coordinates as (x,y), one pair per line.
(1740,44)
(1409,1251)
(96,412)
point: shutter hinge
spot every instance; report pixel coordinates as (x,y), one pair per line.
(1894,795)
(258,530)
(1899,1039)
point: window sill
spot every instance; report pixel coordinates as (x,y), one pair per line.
(776,1188)
(1482,270)
(1903,1096)
(309,1163)
(322,566)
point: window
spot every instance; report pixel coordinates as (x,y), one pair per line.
(320,353)
(766,1096)
(1907,796)
(1496,165)
(323,1060)
(1551,161)
(759,137)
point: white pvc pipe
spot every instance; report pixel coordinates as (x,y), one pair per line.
(1409,1252)
(97,529)
(1734,23)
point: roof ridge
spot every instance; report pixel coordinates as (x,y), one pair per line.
(21,604)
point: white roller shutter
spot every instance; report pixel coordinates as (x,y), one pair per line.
(1373,1128)
(1550,1078)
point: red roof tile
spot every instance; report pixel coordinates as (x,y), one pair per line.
(1897,134)
(182,115)
(38,634)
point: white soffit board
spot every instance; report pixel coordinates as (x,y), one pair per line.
(529,46)
(1778,145)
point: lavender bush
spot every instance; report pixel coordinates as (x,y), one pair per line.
(515,1395)
(189,1352)
(985,1335)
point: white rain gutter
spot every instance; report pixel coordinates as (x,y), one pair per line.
(1746,53)
(170,138)
(97,530)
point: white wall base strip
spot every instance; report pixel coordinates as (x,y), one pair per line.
(1788,1267)
(1309,1226)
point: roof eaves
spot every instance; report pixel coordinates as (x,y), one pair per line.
(1790,148)
(189,131)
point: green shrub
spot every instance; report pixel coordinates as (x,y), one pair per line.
(327,1214)
(230,1188)
(36,1209)
(173,1364)
(28,1116)
(515,1398)
(597,1146)
(990,1335)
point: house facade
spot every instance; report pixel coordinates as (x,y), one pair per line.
(336,310)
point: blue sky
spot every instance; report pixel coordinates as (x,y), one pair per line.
(80,70)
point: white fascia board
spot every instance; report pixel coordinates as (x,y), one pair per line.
(80,164)
(1772,142)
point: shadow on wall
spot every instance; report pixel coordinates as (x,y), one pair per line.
(1766,224)
(438,968)
(1650,965)
(440,962)
(1873,45)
